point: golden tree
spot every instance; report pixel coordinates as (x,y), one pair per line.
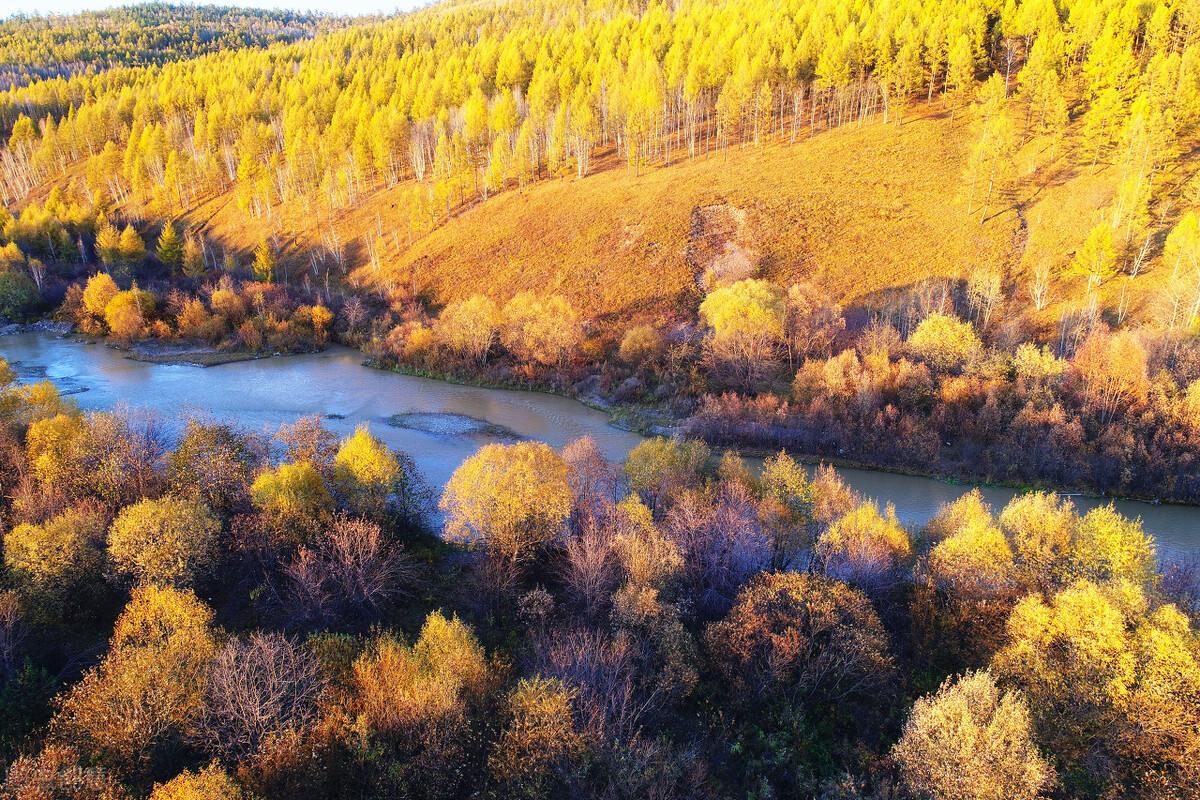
(169,541)
(972,741)
(508,499)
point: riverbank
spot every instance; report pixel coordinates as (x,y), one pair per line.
(263,394)
(656,421)
(190,354)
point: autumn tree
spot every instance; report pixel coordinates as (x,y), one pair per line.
(149,689)
(865,547)
(945,342)
(210,783)
(131,246)
(263,266)
(972,741)
(747,321)
(128,313)
(539,745)
(469,327)
(57,564)
(415,702)
(658,467)
(166,542)
(508,499)
(100,289)
(291,491)
(170,248)
(541,330)
(802,637)
(214,464)
(1111,684)
(258,688)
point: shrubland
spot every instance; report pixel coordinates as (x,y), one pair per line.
(214,613)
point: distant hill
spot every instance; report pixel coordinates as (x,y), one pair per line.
(36,47)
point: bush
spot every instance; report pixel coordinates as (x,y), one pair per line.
(168,542)
(945,342)
(970,741)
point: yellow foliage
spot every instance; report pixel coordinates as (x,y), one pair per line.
(100,289)
(291,490)
(127,313)
(366,472)
(863,538)
(510,499)
(970,741)
(539,736)
(397,686)
(1112,685)
(468,327)
(149,686)
(946,342)
(210,783)
(49,443)
(52,559)
(169,541)
(544,330)
(640,343)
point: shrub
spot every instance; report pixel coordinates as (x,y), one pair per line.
(804,637)
(170,541)
(970,741)
(945,342)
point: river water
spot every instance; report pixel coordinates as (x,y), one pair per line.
(260,395)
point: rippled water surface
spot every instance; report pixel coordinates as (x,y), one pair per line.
(260,395)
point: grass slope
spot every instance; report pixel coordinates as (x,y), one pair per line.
(859,210)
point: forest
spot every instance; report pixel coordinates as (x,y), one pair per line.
(216,614)
(956,237)
(270,199)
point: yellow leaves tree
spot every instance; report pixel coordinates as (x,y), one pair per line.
(131,246)
(414,702)
(469,327)
(972,741)
(945,342)
(658,467)
(291,491)
(100,289)
(264,262)
(149,688)
(539,744)
(1096,260)
(1114,372)
(54,564)
(541,330)
(169,541)
(128,313)
(864,546)
(210,783)
(508,499)
(368,475)
(1112,683)
(747,322)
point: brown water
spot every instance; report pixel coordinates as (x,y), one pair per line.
(260,395)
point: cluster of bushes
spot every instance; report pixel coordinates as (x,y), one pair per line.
(206,613)
(532,337)
(243,315)
(1110,411)
(109,283)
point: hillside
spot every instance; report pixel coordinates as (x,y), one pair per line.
(862,211)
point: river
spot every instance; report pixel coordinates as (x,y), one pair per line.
(260,395)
